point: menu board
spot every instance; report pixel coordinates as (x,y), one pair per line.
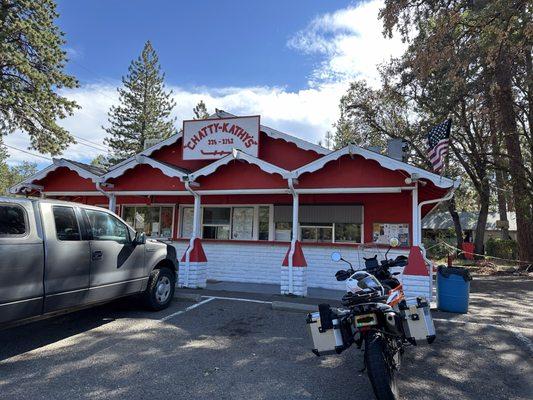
(187,222)
(383,232)
(243,223)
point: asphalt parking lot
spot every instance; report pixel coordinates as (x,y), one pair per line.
(228,349)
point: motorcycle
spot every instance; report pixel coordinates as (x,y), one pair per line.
(375,314)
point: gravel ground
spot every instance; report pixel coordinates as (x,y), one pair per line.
(234,350)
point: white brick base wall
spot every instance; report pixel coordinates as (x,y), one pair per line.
(415,286)
(261,262)
(241,262)
(195,277)
(299,281)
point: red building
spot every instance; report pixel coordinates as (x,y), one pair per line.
(239,215)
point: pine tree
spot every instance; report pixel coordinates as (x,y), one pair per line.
(31,70)
(10,176)
(144,110)
(200,111)
(100,161)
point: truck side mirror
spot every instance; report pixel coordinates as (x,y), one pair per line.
(140,238)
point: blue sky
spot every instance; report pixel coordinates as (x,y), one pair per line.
(289,61)
(200,43)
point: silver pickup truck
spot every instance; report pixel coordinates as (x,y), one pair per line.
(57,256)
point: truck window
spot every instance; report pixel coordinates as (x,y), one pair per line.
(67,227)
(104,226)
(12,220)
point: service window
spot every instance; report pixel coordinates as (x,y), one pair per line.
(67,227)
(154,221)
(283,231)
(236,223)
(104,226)
(12,220)
(321,223)
(216,222)
(318,233)
(350,233)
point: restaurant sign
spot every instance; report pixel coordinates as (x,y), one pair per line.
(210,139)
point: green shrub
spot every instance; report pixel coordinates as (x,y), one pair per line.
(501,248)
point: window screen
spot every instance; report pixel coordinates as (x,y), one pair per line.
(12,220)
(321,214)
(66,223)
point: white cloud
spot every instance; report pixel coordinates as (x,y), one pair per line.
(307,113)
(349,41)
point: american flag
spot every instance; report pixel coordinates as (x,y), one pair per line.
(438,140)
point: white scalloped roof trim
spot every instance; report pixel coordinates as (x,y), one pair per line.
(142,159)
(238,155)
(57,163)
(384,161)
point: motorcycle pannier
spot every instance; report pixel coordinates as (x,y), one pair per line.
(325,331)
(417,322)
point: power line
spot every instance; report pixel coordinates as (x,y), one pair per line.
(94,145)
(27,152)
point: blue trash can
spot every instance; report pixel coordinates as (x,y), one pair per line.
(453,289)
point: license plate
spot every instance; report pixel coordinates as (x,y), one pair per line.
(365,320)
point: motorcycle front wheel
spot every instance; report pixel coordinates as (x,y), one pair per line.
(381,371)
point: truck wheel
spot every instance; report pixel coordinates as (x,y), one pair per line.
(160,290)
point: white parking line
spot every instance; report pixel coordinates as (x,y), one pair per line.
(239,299)
(187,309)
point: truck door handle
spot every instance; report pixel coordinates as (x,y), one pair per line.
(97,255)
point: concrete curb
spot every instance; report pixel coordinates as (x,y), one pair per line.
(195,297)
(288,306)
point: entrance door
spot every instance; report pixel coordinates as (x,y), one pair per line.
(67,267)
(117,263)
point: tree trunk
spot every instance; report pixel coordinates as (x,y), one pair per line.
(481,225)
(500,174)
(456,222)
(522,199)
(502,204)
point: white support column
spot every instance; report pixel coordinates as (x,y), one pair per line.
(112,202)
(193,272)
(295,206)
(294,273)
(416,223)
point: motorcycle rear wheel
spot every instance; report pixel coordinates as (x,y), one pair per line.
(381,372)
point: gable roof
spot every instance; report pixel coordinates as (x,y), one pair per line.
(167,169)
(275,134)
(443,220)
(84,170)
(384,161)
(238,155)
(90,168)
(271,132)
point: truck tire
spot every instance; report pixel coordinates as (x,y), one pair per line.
(160,290)
(382,375)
